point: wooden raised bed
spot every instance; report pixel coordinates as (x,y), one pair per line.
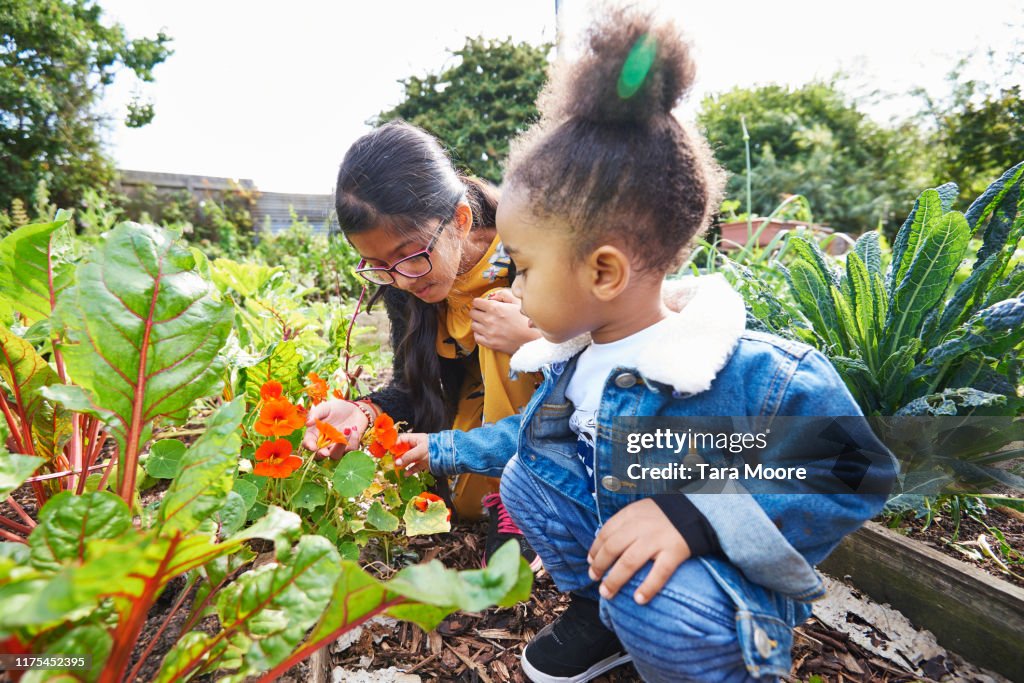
(975,614)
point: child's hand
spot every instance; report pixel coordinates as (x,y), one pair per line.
(635,534)
(415,459)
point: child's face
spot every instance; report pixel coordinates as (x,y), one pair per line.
(555,294)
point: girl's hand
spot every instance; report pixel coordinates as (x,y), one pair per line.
(635,534)
(341,415)
(417,458)
(498,323)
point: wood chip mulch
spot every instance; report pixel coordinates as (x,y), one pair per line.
(485,647)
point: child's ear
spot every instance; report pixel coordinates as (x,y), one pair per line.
(609,270)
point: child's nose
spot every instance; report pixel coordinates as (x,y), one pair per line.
(517,289)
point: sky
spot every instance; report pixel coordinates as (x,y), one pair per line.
(277,91)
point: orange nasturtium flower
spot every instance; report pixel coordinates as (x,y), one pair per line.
(385,438)
(275,459)
(328,435)
(279,418)
(317,388)
(271,390)
(424,499)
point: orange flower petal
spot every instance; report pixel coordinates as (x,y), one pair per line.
(400,448)
(271,390)
(274,449)
(377,450)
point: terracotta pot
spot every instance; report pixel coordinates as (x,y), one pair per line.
(735,236)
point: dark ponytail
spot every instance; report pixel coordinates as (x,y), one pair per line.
(399,177)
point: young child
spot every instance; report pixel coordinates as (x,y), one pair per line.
(600,199)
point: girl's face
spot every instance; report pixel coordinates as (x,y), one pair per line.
(383,247)
(555,292)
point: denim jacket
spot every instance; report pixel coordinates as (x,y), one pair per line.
(706,364)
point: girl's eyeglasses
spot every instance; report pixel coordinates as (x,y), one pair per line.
(412,266)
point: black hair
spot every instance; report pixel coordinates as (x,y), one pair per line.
(609,157)
(398,176)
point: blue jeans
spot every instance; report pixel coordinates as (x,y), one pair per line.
(708,623)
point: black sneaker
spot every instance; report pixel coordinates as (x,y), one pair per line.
(576,648)
(502,529)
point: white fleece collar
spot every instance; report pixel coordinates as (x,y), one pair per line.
(690,350)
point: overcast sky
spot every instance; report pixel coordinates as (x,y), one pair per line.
(277,91)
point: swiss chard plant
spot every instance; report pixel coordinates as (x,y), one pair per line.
(108,344)
(88,579)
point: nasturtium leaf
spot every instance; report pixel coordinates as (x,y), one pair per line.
(248,491)
(354,473)
(164,458)
(411,487)
(310,496)
(68,523)
(207,473)
(349,551)
(380,518)
(231,515)
(143,333)
(392,498)
(14,470)
(433,520)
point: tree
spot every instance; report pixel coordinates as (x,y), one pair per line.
(477,106)
(57,57)
(978,128)
(811,141)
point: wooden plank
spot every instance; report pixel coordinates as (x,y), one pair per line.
(973,613)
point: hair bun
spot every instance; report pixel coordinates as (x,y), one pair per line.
(632,70)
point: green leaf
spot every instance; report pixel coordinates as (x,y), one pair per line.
(281,364)
(144,334)
(14,470)
(500,582)
(179,658)
(27,257)
(999,227)
(925,280)
(231,516)
(927,209)
(868,248)
(354,473)
(433,520)
(25,372)
(207,473)
(85,639)
(245,278)
(813,294)
(67,523)
(248,491)
(380,518)
(993,196)
(411,487)
(277,525)
(276,604)
(310,496)
(164,458)
(864,308)
(965,401)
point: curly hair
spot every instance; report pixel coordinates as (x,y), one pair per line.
(609,157)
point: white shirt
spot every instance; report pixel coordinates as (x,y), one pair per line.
(587,384)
